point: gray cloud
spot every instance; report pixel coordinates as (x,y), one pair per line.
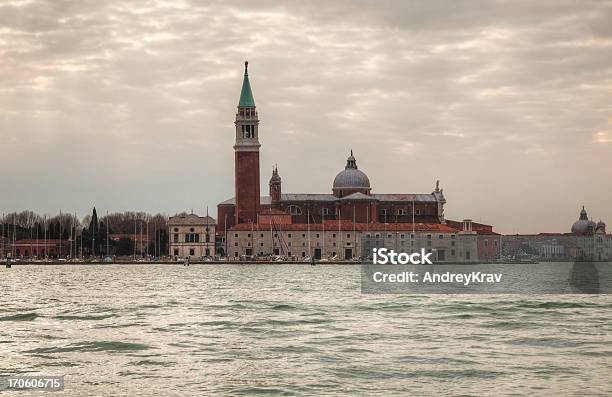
(130,104)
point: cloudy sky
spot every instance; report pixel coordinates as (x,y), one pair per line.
(130,104)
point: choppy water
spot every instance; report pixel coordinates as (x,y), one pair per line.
(291,330)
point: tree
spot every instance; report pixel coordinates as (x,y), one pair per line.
(125,246)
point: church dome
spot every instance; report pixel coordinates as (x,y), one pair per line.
(601,226)
(583,224)
(351,177)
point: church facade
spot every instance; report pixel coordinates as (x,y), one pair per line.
(350,213)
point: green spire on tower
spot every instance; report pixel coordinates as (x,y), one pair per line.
(246,95)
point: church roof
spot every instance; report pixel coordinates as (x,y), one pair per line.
(323,197)
(357,196)
(191,219)
(406,197)
(246,95)
(308,197)
(346,225)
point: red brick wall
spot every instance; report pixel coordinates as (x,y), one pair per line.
(225,212)
(488,246)
(247,186)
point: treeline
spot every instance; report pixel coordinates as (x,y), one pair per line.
(144,233)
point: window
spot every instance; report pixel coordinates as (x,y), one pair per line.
(176,252)
(452,252)
(486,243)
(289,235)
(236,235)
(235,254)
(441,255)
(191,252)
(317,235)
(441,237)
(383,212)
(176,238)
(261,244)
(248,131)
(401,211)
(429,243)
(289,244)
(402,236)
(453,236)
(261,235)
(176,229)
(249,235)
(348,235)
(452,243)
(417,212)
(236,244)
(295,210)
(207,238)
(429,237)
(303,235)
(325,211)
(303,254)
(334,235)
(191,230)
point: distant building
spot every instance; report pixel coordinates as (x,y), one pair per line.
(192,236)
(344,240)
(587,241)
(350,201)
(39,248)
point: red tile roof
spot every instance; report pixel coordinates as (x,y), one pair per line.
(347,225)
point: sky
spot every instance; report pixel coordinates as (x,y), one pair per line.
(129,105)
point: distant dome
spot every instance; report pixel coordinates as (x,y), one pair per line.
(351,177)
(601,226)
(583,224)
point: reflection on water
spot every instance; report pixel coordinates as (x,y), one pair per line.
(584,278)
(296,330)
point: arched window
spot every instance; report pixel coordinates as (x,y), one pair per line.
(295,210)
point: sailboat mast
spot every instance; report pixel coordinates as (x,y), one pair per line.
(107,245)
(309,246)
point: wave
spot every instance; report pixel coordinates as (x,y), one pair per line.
(20,317)
(84,317)
(97,346)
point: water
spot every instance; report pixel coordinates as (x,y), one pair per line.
(291,330)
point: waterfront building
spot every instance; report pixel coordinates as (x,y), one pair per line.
(351,208)
(345,240)
(587,241)
(192,236)
(39,248)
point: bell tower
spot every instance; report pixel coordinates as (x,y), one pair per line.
(246,151)
(275,188)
